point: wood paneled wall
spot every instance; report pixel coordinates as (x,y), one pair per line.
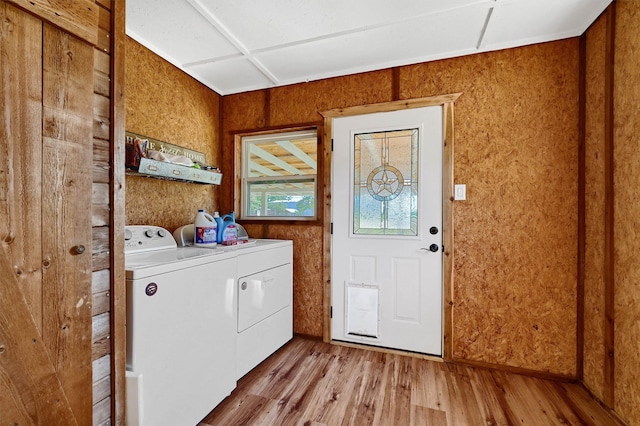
(59,57)
(612,159)
(166,104)
(516,132)
(626,301)
(595,202)
(516,237)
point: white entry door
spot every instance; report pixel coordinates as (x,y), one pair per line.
(387,229)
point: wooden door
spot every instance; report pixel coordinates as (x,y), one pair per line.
(45,223)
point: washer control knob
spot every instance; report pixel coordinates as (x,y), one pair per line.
(148,233)
(128,234)
(162,233)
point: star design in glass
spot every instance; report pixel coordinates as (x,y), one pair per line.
(385,183)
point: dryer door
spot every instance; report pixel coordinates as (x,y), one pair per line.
(263,294)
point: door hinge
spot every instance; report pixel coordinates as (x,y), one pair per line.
(331,144)
(331,313)
(331,230)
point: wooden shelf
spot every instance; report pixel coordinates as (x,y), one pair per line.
(176,172)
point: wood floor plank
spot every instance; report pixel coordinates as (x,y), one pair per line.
(397,392)
(582,403)
(334,391)
(462,397)
(312,383)
(486,394)
(371,393)
(427,416)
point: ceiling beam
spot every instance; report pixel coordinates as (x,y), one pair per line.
(300,154)
(274,160)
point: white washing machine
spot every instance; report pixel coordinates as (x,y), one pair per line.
(181,328)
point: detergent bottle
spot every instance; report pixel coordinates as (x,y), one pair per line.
(218,219)
(206,230)
(228,232)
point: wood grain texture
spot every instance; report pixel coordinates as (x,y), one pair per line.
(67,146)
(20,149)
(594,353)
(314,383)
(117,220)
(168,105)
(626,207)
(31,391)
(516,234)
(79,17)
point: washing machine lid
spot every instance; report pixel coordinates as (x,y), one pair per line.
(145,264)
(151,250)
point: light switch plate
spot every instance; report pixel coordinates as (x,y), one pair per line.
(460,192)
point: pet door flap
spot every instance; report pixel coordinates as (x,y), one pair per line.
(362,310)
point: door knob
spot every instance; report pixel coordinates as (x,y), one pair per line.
(79,249)
(433,247)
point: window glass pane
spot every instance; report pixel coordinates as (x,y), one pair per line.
(279,175)
(386,183)
(292,197)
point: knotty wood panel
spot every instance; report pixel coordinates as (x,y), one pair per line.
(78,17)
(594,310)
(100,256)
(166,104)
(626,300)
(101,161)
(514,298)
(104,30)
(30,388)
(117,208)
(67,150)
(20,142)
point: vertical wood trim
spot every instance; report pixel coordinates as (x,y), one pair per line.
(117,216)
(609,214)
(237,174)
(66,219)
(447,230)
(267,108)
(395,81)
(582,229)
(20,149)
(326,235)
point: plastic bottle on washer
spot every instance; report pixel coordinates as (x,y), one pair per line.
(206,230)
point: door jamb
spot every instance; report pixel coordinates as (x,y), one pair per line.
(446,101)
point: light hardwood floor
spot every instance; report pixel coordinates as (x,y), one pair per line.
(308,382)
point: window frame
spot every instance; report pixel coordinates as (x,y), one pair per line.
(241,181)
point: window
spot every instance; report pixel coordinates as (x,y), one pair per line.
(279,175)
